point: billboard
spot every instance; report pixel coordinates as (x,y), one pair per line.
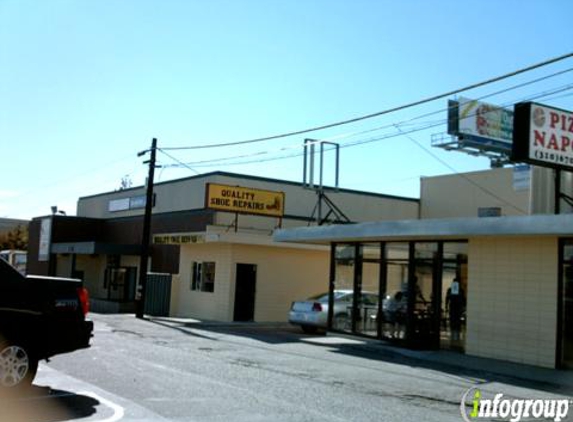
(481,123)
(244,200)
(543,136)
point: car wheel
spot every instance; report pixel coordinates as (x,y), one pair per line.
(17,366)
(341,322)
(309,329)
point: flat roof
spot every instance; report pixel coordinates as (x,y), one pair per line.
(255,178)
(446,228)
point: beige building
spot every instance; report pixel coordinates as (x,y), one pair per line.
(479,264)
(511,270)
(220,264)
(521,190)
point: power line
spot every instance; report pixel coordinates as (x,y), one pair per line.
(402,123)
(463,176)
(380,113)
(175,159)
(418,128)
(443,110)
(221,161)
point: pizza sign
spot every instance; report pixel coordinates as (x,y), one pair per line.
(543,136)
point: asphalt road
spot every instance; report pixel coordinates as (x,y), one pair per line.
(156,370)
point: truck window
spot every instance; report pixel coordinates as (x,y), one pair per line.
(9,274)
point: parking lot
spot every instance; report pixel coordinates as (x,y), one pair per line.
(177,370)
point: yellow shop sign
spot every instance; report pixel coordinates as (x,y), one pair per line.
(178,239)
(244,200)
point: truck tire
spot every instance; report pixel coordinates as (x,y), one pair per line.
(18,366)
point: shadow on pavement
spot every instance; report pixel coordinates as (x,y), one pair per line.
(484,374)
(177,327)
(272,333)
(480,370)
(43,404)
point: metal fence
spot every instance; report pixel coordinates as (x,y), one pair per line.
(158,294)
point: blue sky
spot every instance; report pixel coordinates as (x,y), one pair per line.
(85,85)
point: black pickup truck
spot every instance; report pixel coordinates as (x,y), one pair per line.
(39,318)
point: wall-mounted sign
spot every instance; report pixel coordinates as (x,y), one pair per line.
(483,123)
(118,205)
(178,239)
(543,136)
(521,177)
(130,203)
(244,200)
(45,239)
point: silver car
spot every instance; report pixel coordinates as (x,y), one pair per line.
(312,314)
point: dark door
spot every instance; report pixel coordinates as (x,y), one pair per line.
(245,289)
(424,294)
(566,306)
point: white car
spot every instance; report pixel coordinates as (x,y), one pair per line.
(312,314)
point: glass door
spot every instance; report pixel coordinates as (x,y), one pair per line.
(424,291)
(566,305)
(454,296)
(395,291)
(366,292)
(342,290)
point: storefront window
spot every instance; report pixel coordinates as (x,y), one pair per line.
(203,277)
(367,292)
(412,292)
(395,297)
(343,298)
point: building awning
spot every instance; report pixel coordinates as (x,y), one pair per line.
(94,248)
(447,228)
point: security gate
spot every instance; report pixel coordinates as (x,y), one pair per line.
(158,294)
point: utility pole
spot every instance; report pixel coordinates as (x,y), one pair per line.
(140,300)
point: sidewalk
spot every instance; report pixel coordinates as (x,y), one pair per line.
(552,378)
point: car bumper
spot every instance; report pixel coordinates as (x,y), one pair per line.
(316,319)
(71,337)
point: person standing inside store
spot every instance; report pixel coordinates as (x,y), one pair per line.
(455,304)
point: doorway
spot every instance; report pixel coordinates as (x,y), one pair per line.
(565,322)
(454,296)
(120,283)
(245,292)
(424,285)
